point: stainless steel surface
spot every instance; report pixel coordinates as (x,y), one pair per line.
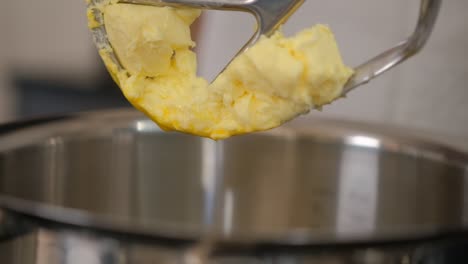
(328,182)
(271,14)
(111,188)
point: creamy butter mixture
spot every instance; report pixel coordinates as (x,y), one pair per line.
(272,82)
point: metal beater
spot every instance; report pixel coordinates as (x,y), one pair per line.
(271,14)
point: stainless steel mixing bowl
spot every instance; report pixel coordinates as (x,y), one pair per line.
(110,187)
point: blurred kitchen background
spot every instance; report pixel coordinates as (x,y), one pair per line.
(49,65)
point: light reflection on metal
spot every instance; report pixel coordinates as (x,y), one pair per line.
(228,212)
(145,126)
(363,141)
(358,188)
(208,179)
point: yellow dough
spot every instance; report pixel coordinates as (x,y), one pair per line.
(272,82)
